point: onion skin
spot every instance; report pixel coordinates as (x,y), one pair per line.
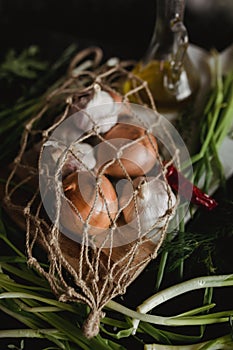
(115,96)
(80,189)
(138,158)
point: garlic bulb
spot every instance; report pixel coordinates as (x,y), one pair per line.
(101,205)
(80,157)
(154,202)
(100,110)
(136,157)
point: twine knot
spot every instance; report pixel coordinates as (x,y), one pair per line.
(63,298)
(31,261)
(91,325)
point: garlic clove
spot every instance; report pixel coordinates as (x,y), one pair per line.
(135,157)
(85,153)
(99,207)
(80,156)
(101,110)
(154,205)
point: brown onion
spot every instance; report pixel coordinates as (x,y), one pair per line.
(138,158)
(80,189)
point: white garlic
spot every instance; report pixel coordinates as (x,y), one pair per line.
(101,110)
(154,200)
(80,157)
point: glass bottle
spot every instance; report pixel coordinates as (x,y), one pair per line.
(166,66)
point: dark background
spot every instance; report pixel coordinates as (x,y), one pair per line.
(122,27)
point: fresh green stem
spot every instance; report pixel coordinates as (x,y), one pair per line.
(198,310)
(226,116)
(21,117)
(10,285)
(21,106)
(114,322)
(167,337)
(171,292)
(42,309)
(217,116)
(162,265)
(222,343)
(181,239)
(29,333)
(25,320)
(27,275)
(209,135)
(168,321)
(14,295)
(11,245)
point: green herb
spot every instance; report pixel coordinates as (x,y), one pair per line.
(13,115)
(215,124)
(33,304)
(25,65)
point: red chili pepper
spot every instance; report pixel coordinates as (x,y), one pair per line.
(180,184)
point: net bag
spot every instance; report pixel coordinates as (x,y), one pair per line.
(89,183)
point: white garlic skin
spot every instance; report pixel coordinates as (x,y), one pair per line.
(84,158)
(103,111)
(152,198)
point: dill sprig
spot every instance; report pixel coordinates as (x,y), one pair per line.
(25,65)
(203,240)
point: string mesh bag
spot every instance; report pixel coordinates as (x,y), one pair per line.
(89,183)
